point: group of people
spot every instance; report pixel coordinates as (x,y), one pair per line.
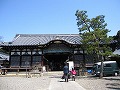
(67,73)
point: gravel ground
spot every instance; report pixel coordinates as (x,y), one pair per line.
(94,83)
(42,83)
(22,83)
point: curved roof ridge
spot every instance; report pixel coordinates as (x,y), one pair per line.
(35,39)
(16,37)
(45,35)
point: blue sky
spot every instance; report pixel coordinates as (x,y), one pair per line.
(53,16)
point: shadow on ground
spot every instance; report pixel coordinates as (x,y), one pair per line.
(115,86)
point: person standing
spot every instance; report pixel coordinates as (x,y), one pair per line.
(73,72)
(66,71)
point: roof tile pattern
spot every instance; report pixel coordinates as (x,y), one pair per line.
(40,39)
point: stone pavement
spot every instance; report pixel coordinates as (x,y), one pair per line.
(23,83)
(94,83)
(59,84)
(53,81)
(49,81)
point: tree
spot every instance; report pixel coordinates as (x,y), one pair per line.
(94,36)
(117,38)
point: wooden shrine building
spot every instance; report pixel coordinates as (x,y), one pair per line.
(49,50)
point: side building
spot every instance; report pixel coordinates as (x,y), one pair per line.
(49,50)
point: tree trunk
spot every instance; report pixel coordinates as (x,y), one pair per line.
(101,69)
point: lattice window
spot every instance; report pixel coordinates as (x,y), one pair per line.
(36,60)
(78,59)
(15,61)
(24,60)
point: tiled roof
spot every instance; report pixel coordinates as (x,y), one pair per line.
(39,39)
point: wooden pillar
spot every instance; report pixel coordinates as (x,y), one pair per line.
(20,56)
(42,61)
(84,57)
(31,59)
(9,57)
(42,57)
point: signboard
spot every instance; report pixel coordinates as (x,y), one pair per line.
(71,65)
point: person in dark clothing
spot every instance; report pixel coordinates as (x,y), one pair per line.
(66,71)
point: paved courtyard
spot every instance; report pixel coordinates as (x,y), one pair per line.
(51,81)
(94,83)
(23,83)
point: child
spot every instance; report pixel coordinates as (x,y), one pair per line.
(73,72)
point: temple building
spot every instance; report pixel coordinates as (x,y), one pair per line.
(49,50)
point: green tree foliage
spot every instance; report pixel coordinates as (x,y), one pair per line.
(117,37)
(94,34)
